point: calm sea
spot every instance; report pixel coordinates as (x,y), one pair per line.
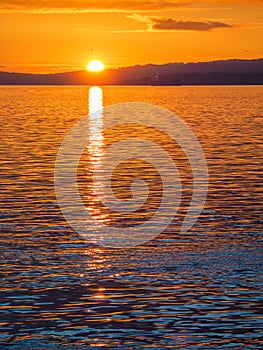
(198,290)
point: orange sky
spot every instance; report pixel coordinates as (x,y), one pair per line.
(38,37)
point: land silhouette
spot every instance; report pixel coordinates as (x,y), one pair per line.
(224,72)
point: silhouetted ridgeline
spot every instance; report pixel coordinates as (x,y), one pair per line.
(229,72)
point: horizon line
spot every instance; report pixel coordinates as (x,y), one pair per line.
(131,66)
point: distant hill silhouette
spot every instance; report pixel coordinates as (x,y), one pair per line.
(225,72)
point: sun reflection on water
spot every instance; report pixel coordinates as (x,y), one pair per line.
(95,124)
(95,149)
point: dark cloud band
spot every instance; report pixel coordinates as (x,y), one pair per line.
(156,23)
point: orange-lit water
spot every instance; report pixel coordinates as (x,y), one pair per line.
(200,290)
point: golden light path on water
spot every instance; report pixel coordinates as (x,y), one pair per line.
(95,149)
(95,123)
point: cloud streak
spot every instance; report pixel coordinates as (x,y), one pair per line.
(50,6)
(156,23)
(72,6)
(90,5)
(82,6)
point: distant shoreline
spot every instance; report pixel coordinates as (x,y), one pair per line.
(228,72)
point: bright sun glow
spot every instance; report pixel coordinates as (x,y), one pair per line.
(95,66)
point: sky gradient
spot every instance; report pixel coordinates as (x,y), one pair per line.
(38,36)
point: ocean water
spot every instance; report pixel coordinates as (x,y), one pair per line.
(197,290)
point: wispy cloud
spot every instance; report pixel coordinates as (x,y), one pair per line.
(157,23)
(68,6)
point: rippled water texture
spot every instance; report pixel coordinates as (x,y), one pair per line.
(200,290)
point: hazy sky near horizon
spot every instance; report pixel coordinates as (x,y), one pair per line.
(49,36)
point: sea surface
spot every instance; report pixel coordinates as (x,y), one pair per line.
(196,290)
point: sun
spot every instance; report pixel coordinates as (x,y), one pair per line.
(95,66)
